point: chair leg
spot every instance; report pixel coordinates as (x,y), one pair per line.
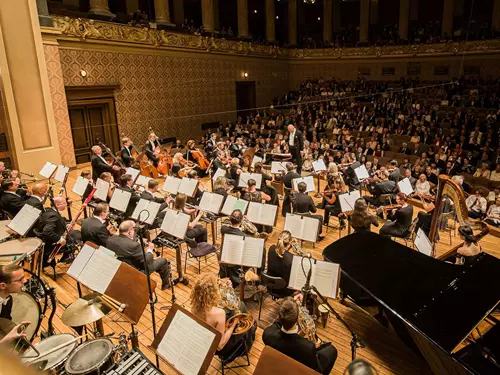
(261,301)
(450,236)
(199,266)
(186,261)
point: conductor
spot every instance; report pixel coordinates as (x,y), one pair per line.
(296,145)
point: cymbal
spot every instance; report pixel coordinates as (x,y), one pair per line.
(84,311)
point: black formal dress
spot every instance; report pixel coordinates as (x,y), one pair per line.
(280,267)
(383,187)
(398,223)
(126,156)
(150,151)
(301,349)
(333,209)
(11,202)
(130,252)
(99,166)
(298,146)
(94,231)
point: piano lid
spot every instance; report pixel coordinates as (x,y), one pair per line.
(443,301)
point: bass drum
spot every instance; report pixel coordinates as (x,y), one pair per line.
(93,357)
(26,308)
(56,360)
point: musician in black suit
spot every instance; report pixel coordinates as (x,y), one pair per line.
(283,336)
(99,164)
(10,201)
(11,281)
(126,152)
(226,270)
(51,227)
(129,250)
(94,228)
(151,145)
(385,186)
(304,205)
(399,219)
(236,149)
(149,195)
(38,192)
(126,183)
(287,182)
(296,145)
(211,144)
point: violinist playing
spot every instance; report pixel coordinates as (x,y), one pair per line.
(99,164)
(180,166)
(331,203)
(400,217)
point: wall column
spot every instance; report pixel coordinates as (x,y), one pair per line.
(216,16)
(373,12)
(132,6)
(336,16)
(178,12)
(292,22)
(30,117)
(364,20)
(243,19)
(448,12)
(327,20)
(207,15)
(495,21)
(43,13)
(404,18)
(414,5)
(100,7)
(270,21)
(162,12)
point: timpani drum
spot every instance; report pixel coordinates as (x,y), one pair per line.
(55,361)
(5,232)
(25,307)
(16,251)
(91,358)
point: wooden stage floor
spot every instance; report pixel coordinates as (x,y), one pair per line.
(384,349)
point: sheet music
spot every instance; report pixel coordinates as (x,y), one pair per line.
(211,202)
(80,261)
(422,243)
(99,272)
(361,172)
(232,203)
(297,277)
(293,224)
(309,229)
(319,165)
(47,170)
(102,188)
(119,200)
(142,180)
(218,173)
(256,159)
(188,186)
(405,186)
(252,251)
(326,278)
(171,184)
(133,172)
(80,185)
(348,200)
(277,167)
(24,220)
(232,249)
(61,173)
(150,206)
(261,213)
(244,177)
(185,344)
(175,223)
(309,180)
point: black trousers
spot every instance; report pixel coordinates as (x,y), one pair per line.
(298,158)
(392,229)
(198,233)
(331,210)
(327,356)
(159,265)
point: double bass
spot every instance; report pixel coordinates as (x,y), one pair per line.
(117,173)
(163,165)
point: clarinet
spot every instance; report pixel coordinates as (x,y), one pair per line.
(58,247)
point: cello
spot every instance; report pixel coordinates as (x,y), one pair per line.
(198,156)
(163,165)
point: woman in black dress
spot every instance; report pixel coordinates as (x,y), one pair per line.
(279,261)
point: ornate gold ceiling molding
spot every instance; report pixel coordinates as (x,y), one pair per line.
(87,30)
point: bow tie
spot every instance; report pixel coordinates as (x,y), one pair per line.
(3,301)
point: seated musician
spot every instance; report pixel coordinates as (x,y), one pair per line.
(361,220)
(394,172)
(88,175)
(331,203)
(269,190)
(399,218)
(219,162)
(279,261)
(205,300)
(476,204)
(283,336)
(108,177)
(192,155)
(180,166)
(50,228)
(126,184)
(99,164)
(127,248)
(422,186)
(38,192)
(235,171)
(290,175)
(304,205)
(470,248)
(425,218)
(385,186)
(211,144)
(94,228)
(226,270)
(253,195)
(10,201)
(221,186)
(195,231)
(149,195)
(493,214)
(151,145)
(126,152)
(236,148)
(410,178)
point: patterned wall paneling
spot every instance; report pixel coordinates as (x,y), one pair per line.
(59,104)
(169,92)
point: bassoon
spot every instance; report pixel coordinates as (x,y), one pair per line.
(58,246)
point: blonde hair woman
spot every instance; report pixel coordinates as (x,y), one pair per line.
(279,261)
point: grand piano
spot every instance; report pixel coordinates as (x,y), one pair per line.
(432,305)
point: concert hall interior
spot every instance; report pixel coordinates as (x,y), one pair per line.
(222,186)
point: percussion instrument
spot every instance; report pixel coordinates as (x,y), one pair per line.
(25,307)
(5,233)
(84,311)
(92,358)
(133,362)
(16,251)
(53,361)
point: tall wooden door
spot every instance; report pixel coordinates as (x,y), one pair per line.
(91,123)
(245,98)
